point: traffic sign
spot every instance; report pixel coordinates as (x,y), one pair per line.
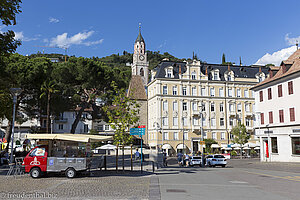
(137,131)
(142,126)
(202,142)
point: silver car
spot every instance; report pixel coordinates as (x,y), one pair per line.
(216,160)
(195,160)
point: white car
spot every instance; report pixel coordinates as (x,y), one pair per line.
(216,160)
(195,160)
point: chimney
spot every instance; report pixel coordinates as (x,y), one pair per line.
(206,71)
(259,69)
(228,67)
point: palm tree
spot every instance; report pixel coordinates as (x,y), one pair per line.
(48,88)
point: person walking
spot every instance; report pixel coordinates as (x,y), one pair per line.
(137,154)
(186,160)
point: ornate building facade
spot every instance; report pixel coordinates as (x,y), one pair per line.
(185,98)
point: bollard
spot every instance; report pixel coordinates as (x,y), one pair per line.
(153,167)
(105,163)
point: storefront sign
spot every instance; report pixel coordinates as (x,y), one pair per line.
(296,130)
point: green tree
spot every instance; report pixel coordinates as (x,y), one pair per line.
(122,115)
(240,135)
(48,88)
(9,9)
(223,59)
(208,143)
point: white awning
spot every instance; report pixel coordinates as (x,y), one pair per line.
(237,148)
(246,148)
(180,146)
(250,145)
(227,148)
(257,148)
(166,146)
(215,146)
(107,147)
(70,137)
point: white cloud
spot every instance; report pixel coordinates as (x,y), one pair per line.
(53,20)
(276,57)
(64,41)
(20,36)
(292,41)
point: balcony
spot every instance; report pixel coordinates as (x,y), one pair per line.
(249,114)
(232,113)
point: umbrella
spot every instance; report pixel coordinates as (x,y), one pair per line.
(107,147)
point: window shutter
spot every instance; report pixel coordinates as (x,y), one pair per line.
(292,114)
(262,121)
(261,96)
(271,117)
(279,90)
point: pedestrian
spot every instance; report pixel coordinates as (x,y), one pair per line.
(179,158)
(186,160)
(137,154)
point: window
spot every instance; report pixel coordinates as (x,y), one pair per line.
(230,92)
(100,128)
(60,126)
(248,121)
(85,128)
(194,106)
(195,121)
(165,105)
(222,135)
(203,121)
(165,121)
(228,78)
(203,107)
(175,106)
(184,91)
(204,135)
(262,120)
(221,92)
(274,144)
(216,76)
(246,93)
(165,89)
(169,73)
(175,136)
(185,135)
(270,117)
(214,135)
(247,107)
(261,97)
(193,75)
(212,107)
(194,91)
(222,121)
(106,127)
(212,92)
(38,152)
(296,145)
(213,121)
(238,92)
(239,107)
(292,114)
(174,90)
(279,90)
(166,136)
(221,107)
(290,87)
(281,117)
(184,106)
(175,121)
(203,92)
(269,93)
(185,121)
(231,121)
(231,107)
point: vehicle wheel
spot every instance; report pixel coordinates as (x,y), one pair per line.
(213,165)
(70,173)
(223,166)
(35,172)
(209,165)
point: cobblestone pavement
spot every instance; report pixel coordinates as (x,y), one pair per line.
(101,185)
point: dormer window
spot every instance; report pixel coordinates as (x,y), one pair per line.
(169,73)
(215,75)
(194,75)
(229,78)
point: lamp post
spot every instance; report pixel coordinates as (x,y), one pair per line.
(15,92)
(201,132)
(52,118)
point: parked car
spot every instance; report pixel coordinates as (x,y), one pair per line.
(195,160)
(216,160)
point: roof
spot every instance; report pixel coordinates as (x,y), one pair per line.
(289,66)
(136,88)
(139,37)
(70,137)
(239,71)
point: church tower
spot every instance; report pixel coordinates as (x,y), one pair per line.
(140,64)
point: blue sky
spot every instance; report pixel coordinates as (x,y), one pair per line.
(249,29)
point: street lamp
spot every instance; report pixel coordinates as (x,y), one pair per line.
(52,118)
(15,92)
(201,131)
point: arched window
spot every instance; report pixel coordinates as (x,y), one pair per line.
(142,72)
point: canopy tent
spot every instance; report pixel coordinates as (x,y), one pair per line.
(215,146)
(70,137)
(167,146)
(250,145)
(180,146)
(107,147)
(226,148)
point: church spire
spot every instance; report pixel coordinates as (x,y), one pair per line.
(140,37)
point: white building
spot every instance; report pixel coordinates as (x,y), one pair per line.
(278,108)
